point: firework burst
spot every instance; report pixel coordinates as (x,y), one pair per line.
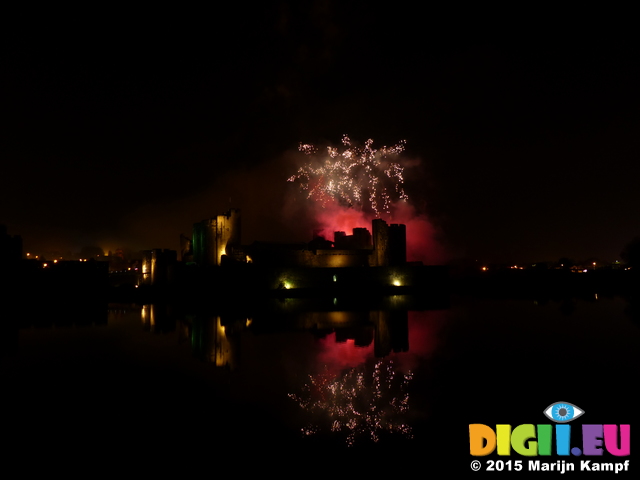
(357,177)
(358,405)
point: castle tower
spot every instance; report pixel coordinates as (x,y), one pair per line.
(361,238)
(389,244)
(339,239)
(157,266)
(397,244)
(216,237)
(380,256)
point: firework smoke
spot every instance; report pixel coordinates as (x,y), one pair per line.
(347,188)
(362,178)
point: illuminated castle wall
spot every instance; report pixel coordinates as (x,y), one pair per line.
(216,237)
(157,267)
(217,240)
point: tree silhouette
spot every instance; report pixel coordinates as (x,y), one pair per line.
(631,253)
(565,263)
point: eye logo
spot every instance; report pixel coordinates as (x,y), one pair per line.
(562,412)
(530,440)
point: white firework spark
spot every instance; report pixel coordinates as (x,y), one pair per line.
(358,177)
(358,405)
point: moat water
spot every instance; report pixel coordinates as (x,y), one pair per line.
(109,384)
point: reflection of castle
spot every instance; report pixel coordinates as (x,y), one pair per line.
(216,241)
(216,338)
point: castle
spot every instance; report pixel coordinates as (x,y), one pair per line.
(215,260)
(216,242)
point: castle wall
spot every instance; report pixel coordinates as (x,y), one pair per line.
(199,243)
(226,234)
(302,257)
(380,236)
(389,244)
(397,247)
(352,278)
(214,237)
(158,266)
(218,239)
(334,258)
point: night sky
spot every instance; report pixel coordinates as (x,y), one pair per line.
(121,128)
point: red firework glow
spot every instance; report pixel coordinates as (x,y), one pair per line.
(423,326)
(351,188)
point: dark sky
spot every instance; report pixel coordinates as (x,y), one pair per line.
(124,127)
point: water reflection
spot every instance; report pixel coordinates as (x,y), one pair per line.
(216,337)
(214,342)
(362,402)
(294,375)
(158,318)
(353,375)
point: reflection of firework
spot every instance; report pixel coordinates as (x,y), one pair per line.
(363,178)
(359,405)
